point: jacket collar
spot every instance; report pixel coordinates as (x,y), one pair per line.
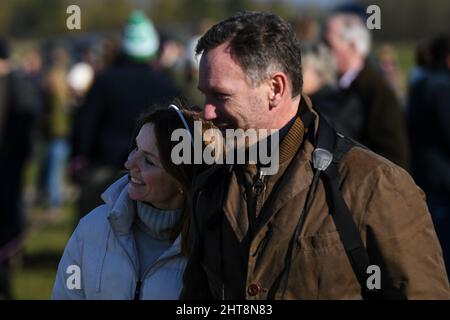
(174,249)
(299,173)
(295,179)
(121,215)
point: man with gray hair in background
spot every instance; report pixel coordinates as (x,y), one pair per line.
(383,127)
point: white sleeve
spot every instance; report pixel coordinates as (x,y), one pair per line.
(68,282)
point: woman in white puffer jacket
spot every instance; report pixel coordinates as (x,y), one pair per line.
(134,246)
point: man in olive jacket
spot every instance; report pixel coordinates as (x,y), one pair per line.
(244,221)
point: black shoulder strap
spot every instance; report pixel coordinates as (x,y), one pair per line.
(343,219)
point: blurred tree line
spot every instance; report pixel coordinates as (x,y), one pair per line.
(405,20)
(411,20)
(40,18)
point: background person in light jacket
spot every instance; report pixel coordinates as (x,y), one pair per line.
(135,245)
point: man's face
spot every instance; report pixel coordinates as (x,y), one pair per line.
(231,101)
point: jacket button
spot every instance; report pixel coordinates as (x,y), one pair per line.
(254,289)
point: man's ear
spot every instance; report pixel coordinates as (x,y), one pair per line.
(278,88)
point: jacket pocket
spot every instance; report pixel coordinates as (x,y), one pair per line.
(323,269)
(320,242)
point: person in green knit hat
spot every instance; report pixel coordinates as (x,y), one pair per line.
(140,39)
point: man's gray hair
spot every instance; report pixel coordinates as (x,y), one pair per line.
(354,30)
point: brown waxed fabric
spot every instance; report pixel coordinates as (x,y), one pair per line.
(388,208)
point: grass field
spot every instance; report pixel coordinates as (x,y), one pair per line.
(35,268)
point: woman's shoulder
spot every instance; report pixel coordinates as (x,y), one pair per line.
(88,237)
(94,222)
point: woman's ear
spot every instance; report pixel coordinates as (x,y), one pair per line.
(277,88)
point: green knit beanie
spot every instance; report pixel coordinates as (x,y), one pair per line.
(140,39)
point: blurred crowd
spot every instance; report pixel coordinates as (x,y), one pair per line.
(72,109)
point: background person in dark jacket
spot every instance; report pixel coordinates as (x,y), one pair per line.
(429,132)
(384,129)
(105,122)
(342,108)
(20,104)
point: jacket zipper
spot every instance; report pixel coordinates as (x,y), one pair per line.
(133,266)
(137,291)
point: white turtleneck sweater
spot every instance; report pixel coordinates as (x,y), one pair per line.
(151,229)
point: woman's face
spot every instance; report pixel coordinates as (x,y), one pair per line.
(149,182)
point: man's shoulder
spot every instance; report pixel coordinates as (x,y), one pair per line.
(361,164)
(95,223)
(371,159)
